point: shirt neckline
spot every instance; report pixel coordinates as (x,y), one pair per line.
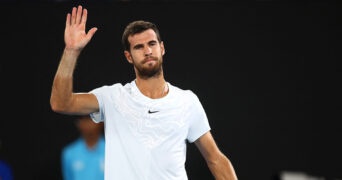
(137,92)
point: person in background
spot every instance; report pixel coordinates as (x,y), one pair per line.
(6,172)
(83,159)
(147,121)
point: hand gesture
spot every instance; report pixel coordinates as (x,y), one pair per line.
(75,37)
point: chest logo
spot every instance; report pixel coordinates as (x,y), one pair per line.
(150,112)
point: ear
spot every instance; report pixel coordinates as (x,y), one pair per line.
(128,56)
(162,47)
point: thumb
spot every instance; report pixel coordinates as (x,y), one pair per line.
(91,32)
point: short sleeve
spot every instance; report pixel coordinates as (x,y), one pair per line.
(98,116)
(199,123)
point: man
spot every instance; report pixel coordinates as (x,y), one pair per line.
(83,158)
(147,121)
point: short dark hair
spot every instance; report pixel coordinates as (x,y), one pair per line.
(137,27)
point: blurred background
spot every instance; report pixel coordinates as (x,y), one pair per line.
(266,72)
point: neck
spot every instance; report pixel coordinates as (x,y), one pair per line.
(91,140)
(152,87)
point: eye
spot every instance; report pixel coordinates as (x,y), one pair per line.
(139,46)
(152,43)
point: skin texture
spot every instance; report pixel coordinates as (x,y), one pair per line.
(146,56)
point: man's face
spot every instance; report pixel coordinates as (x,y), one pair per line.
(146,53)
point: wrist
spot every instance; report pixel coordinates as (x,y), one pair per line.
(72,51)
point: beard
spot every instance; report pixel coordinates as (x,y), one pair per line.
(145,71)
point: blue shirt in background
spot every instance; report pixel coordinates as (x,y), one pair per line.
(81,163)
(5,171)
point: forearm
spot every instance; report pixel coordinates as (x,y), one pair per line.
(222,169)
(62,87)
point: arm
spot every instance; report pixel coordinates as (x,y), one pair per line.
(62,99)
(218,163)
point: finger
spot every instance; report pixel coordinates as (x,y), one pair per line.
(73,15)
(84,16)
(67,22)
(91,32)
(79,14)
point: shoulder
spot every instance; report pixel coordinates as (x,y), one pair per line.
(4,164)
(107,87)
(107,91)
(114,88)
(102,140)
(73,146)
(185,94)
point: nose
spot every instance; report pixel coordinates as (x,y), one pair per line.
(148,51)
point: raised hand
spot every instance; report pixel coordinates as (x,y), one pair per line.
(75,36)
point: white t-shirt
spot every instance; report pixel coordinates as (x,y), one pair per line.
(146,138)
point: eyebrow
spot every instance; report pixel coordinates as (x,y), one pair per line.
(141,45)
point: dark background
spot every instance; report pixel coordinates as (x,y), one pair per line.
(266,72)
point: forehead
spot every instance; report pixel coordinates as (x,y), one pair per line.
(143,37)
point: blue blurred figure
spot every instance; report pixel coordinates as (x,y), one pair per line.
(5,171)
(83,159)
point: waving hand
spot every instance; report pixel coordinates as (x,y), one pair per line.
(75,36)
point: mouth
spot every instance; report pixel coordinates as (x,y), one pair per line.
(149,59)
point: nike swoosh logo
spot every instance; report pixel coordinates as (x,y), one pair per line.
(150,112)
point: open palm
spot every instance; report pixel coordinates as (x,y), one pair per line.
(75,36)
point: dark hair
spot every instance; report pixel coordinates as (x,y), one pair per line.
(137,27)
